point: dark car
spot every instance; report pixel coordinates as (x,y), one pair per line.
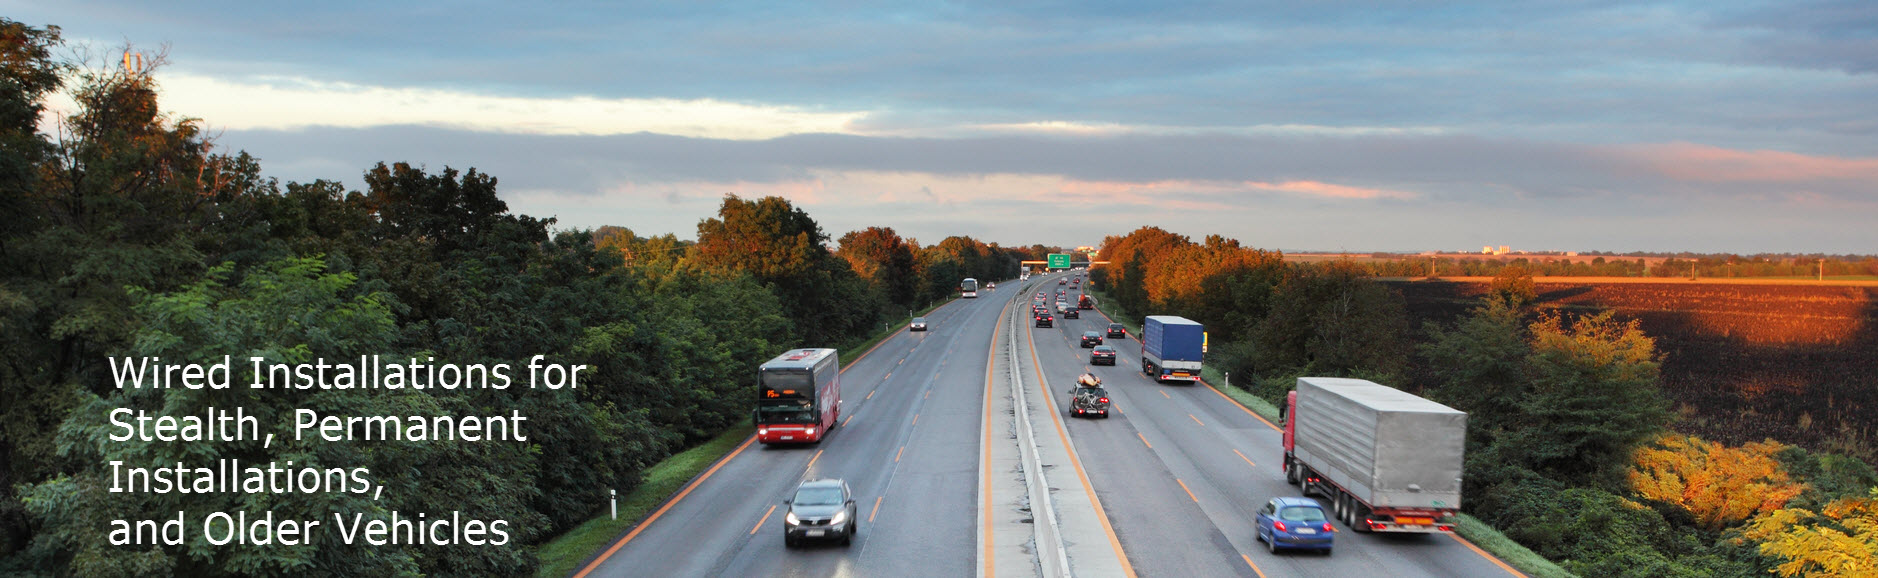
(1072,313)
(1088,401)
(1062,281)
(1295,523)
(1045,320)
(1091,338)
(820,510)
(918,324)
(1102,355)
(1116,330)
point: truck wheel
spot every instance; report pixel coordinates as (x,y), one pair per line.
(1291,474)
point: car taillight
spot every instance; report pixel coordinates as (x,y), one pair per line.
(1327,527)
(1279,526)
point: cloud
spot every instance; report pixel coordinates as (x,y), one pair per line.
(1710,164)
(297,103)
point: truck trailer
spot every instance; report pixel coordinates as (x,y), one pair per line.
(1171,348)
(1386,460)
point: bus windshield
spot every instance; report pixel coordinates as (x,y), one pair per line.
(787,385)
(785,411)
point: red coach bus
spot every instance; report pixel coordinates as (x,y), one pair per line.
(799,396)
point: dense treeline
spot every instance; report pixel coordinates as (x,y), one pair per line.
(1385,265)
(1569,450)
(130,235)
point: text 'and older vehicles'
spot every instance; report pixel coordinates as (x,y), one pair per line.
(821,510)
(799,396)
(969,288)
(1287,523)
(1386,460)
(1102,355)
(1088,398)
(918,324)
(1172,348)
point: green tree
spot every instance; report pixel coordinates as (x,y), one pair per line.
(1592,398)
(1514,285)
(1331,319)
(1479,366)
(783,248)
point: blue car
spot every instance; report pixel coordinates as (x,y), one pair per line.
(1295,524)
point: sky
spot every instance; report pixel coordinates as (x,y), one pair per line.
(1711,126)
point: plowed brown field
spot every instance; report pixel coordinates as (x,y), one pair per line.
(1743,362)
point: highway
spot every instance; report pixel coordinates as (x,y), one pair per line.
(907,446)
(1179,470)
(1182,471)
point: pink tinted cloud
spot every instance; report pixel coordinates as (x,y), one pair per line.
(1704,163)
(1307,188)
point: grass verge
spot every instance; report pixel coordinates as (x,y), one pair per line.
(564,554)
(1472,529)
(1506,549)
(854,352)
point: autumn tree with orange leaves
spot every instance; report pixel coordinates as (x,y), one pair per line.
(1717,484)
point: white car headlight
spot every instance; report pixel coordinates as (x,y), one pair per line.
(841,516)
(791,518)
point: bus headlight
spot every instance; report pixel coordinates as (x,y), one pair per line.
(808,431)
(762,431)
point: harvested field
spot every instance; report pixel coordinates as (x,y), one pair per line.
(1743,362)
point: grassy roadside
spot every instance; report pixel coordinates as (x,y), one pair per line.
(1470,528)
(564,554)
(852,353)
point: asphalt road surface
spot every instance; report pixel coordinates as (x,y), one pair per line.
(1179,469)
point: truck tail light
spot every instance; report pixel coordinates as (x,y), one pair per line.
(1446,528)
(1105,400)
(1279,526)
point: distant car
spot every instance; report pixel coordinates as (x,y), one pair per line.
(918,324)
(1072,313)
(991,286)
(820,510)
(1040,295)
(1102,355)
(1045,320)
(1295,523)
(1091,338)
(1062,281)
(1116,330)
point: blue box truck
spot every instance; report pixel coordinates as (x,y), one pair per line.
(1171,348)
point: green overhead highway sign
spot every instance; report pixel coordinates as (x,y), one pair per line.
(1059,260)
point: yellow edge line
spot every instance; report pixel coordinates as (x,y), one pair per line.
(1483,553)
(662,509)
(1144,440)
(1197,420)
(984,491)
(1235,403)
(1164,394)
(759,523)
(818,455)
(1183,486)
(876,512)
(896,456)
(1057,418)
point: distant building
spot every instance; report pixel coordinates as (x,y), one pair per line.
(1487,250)
(1504,250)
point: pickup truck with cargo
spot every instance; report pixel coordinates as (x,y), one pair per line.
(1386,460)
(1171,348)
